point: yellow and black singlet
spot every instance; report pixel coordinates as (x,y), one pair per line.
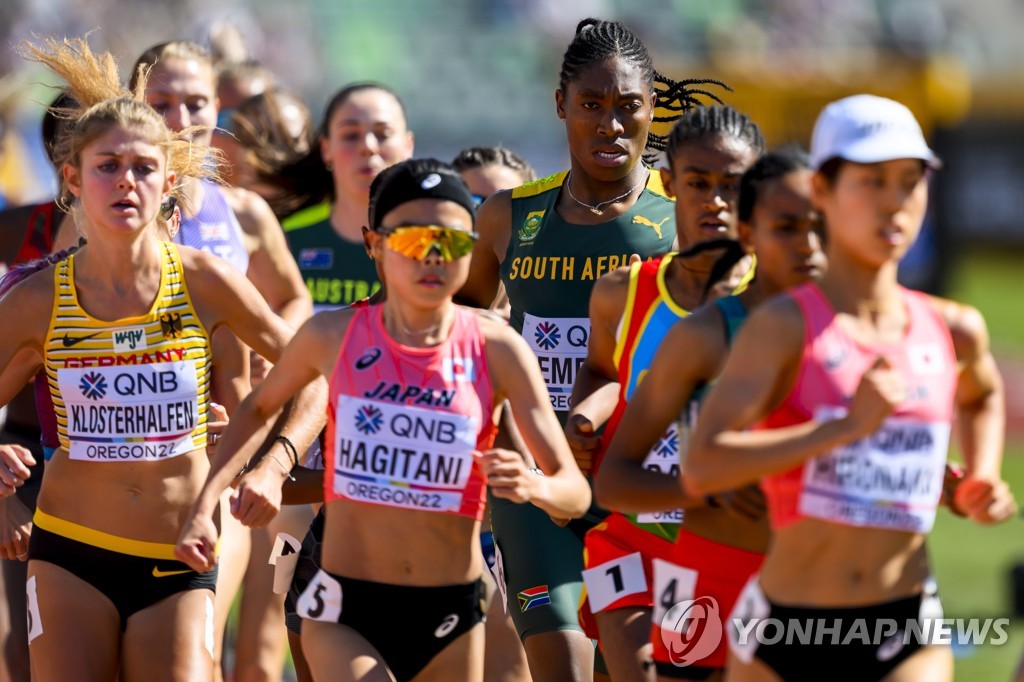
(135,389)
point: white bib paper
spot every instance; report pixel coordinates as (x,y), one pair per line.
(402,456)
(892,479)
(130,413)
(664,458)
(560,344)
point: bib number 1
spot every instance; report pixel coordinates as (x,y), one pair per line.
(614,580)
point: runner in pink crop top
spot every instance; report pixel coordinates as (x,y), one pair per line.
(415,388)
(892,479)
(402,427)
(839,397)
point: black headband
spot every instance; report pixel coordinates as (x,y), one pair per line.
(403,184)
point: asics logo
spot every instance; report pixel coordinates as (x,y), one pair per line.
(368,358)
(447,625)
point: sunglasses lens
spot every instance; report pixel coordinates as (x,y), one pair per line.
(418,242)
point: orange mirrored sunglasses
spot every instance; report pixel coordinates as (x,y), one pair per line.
(417,241)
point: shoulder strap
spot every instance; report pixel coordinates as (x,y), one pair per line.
(733,314)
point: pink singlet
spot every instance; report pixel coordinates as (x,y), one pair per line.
(405,424)
(893,478)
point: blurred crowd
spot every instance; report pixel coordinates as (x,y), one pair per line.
(493,60)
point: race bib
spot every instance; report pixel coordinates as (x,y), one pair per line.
(664,458)
(130,413)
(560,344)
(613,580)
(321,600)
(672,584)
(892,479)
(402,456)
(35,623)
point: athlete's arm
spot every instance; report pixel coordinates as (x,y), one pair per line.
(14,459)
(690,355)
(493,224)
(982,495)
(222,296)
(21,343)
(596,390)
(25,310)
(307,359)
(759,372)
(271,265)
(562,491)
(230,381)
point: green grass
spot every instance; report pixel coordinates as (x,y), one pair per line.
(990,280)
(973,563)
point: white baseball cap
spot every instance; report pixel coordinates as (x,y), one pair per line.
(868,129)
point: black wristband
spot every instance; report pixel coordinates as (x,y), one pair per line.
(289,448)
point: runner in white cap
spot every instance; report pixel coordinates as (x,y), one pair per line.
(852,385)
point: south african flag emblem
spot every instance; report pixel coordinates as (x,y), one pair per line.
(535,596)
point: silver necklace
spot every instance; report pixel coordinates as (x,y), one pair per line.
(420,332)
(596,210)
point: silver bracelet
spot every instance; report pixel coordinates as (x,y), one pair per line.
(285,469)
(537,471)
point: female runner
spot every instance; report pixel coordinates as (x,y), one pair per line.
(416,384)
(549,242)
(724,536)
(122,327)
(853,384)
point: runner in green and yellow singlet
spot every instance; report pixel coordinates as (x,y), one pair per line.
(363,132)
(631,311)
(549,242)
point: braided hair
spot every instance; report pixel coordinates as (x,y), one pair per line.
(482,157)
(703,122)
(597,40)
(19,273)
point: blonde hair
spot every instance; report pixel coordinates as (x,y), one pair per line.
(93,82)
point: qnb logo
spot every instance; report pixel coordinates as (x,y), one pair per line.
(93,385)
(691,630)
(369,419)
(547,335)
(668,445)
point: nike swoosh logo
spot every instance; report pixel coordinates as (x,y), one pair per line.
(69,341)
(157,573)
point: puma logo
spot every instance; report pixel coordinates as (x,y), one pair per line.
(646,221)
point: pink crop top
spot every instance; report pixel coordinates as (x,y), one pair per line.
(893,478)
(405,424)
